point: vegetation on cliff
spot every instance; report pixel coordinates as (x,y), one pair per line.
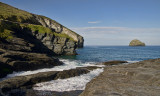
(15,15)
(5,32)
(27,32)
(10,13)
(41,29)
(6,29)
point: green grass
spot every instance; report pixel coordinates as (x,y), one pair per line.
(5,32)
(38,28)
(13,14)
(10,13)
(63,35)
(6,29)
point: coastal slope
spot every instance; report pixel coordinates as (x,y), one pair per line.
(136,79)
(30,32)
(29,41)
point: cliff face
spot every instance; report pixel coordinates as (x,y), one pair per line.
(46,22)
(23,31)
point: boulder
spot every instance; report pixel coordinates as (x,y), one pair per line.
(136,42)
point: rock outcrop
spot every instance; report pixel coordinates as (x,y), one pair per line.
(22,61)
(46,22)
(136,79)
(136,42)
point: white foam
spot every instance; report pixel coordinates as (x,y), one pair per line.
(68,64)
(129,62)
(74,83)
(132,61)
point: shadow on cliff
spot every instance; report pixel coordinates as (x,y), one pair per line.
(38,46)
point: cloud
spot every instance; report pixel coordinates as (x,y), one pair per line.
(118,35)
(115,30)
(94,22)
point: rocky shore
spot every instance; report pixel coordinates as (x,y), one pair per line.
(22,85)
(118,79)
(136,79)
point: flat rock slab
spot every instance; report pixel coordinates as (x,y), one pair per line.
(136,79)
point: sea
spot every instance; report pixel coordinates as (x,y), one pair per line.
(90,56)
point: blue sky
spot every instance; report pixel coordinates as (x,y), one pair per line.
(102,22)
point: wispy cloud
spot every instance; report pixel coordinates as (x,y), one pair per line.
(118,35)
(116,29)
(94,22)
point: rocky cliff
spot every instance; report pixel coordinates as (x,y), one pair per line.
(24,31)
(29,41)
(136,42)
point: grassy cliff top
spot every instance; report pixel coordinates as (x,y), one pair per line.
(15,15)
(10,13)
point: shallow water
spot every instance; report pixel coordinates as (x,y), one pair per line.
(106,53)
(69,84)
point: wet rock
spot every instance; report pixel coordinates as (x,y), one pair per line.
(71,73)
(136,79)
(22,61)
(90,68)
(23,82)
(108,63)
(5,69)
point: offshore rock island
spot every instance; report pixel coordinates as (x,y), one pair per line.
(136,42)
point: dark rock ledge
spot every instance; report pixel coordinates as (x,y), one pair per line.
(22,61)
(109,63)
(21,84)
